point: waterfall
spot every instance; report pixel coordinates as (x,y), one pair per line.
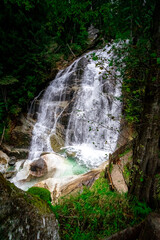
(83,102)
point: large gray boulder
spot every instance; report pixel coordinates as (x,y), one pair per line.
(24,216)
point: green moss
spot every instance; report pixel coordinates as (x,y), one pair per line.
(127,172)
(97,212)
(17,195)
(125,152)
(43,193)
(111,168)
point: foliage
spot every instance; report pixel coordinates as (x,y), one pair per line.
(43,193)
(97,212)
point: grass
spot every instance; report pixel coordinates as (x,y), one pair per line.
(97,212)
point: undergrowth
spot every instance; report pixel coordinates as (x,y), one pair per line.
(97,212)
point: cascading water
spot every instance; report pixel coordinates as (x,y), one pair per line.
(92,128)
(82,104)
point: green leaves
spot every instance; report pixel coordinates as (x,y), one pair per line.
(158,60)
(8,80)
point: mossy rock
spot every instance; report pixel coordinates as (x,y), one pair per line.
(24,216)
(43,193)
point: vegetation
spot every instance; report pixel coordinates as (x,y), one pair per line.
(38,34)
(97,212)
(42,193)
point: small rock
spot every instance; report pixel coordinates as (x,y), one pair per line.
(12,161)
(70,154)
(10,171)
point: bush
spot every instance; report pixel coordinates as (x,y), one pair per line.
(42,193)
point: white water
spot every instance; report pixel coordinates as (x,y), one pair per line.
(92,130)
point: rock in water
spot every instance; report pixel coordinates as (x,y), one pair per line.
(23,216)
(38,168)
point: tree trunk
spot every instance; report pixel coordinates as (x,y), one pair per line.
(146,161)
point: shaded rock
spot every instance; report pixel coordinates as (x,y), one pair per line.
(10,172)
(126,133)
(130,233)
(146,230)
(12,161)
(24,216)
(4,159)
(151,228)
(21,135)
(18,153)
(38,168)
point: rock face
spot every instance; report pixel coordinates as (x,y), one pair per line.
(20,138)
(92,34)
(23,216)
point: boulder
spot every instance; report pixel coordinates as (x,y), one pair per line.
(12,161)
(48,166)
(38,168)
(24,216)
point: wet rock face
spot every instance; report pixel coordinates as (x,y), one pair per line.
(92,34)
(23,216)
(20,137)
(38,168)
